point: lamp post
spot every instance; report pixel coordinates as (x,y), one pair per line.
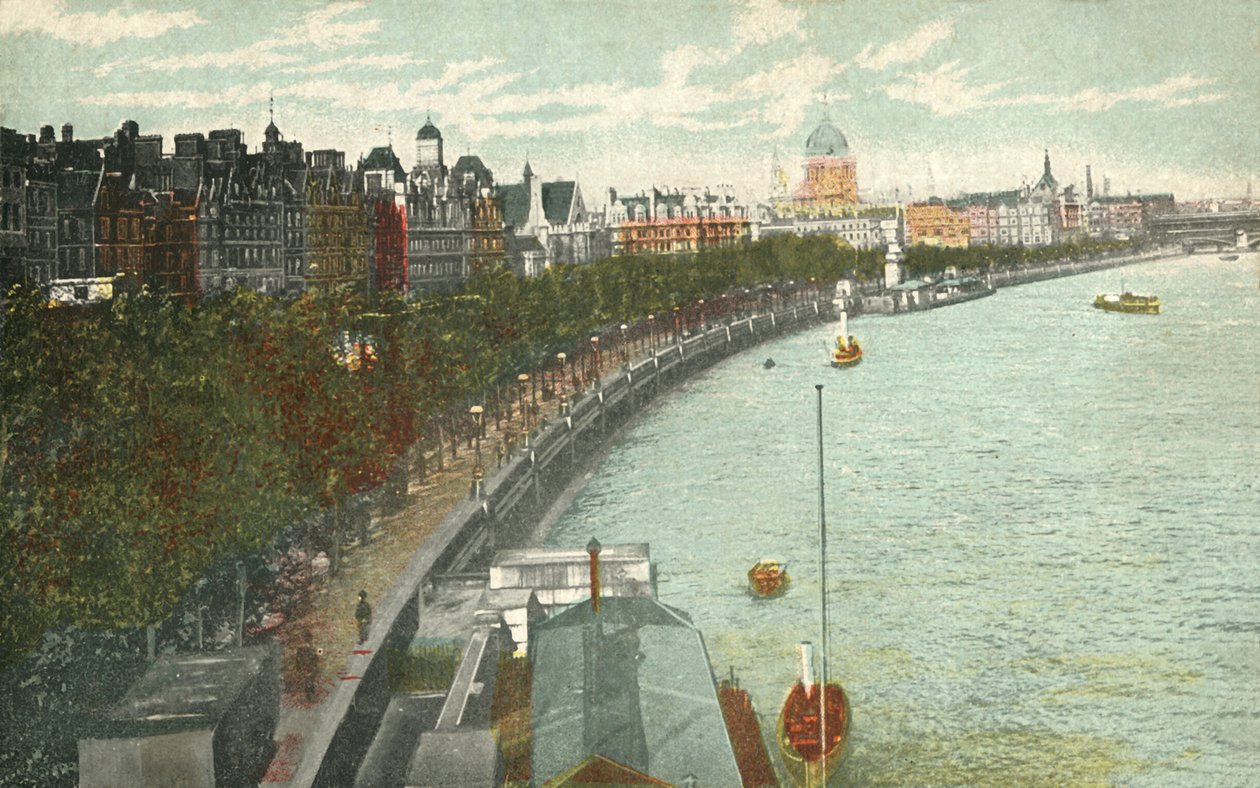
(478,414)
(595,347)
(625,352)
(523,379)
(677,325)
(652,331)
(702,325)
(560,357)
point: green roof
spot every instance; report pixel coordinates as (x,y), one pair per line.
(650,702)
(514,200)
(557,198)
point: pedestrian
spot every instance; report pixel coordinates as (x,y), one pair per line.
(363,615)
(306,665)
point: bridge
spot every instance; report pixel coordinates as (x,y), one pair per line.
(1209,232)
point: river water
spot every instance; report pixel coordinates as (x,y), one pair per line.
(1043,528)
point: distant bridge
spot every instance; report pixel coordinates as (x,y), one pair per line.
(1209,232)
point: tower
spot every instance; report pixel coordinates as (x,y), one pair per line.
(429,159)
(1089,184)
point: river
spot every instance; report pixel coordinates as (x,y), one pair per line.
(1044,529)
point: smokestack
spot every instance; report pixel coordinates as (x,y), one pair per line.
(805,657)
(1089,184)
(67,132)
(593,547)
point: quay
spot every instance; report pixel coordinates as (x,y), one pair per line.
(497,514)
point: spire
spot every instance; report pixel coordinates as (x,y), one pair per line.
(1047,173)
(271,107)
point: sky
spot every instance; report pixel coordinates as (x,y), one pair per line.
(933,97)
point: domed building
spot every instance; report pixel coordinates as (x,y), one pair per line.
(830,184)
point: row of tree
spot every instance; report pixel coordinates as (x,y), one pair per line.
(143,441)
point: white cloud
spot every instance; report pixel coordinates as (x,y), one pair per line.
(785,92)
(945,91)
(379,62)
(321,29)
(89,28)
(908,49)
(188,99)
(763,21)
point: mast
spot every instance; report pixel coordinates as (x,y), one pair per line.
(822,593)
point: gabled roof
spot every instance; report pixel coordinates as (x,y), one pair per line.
(557,201)
(598,770)
(383,158)
(650,703)
(469,163)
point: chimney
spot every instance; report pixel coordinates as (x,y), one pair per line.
(805,655)
(592,547)
(46,134)
(1089,184)
(67,132)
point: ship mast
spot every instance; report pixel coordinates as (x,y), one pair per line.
(822,593)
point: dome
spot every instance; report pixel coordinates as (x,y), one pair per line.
(826,140)
(428,132)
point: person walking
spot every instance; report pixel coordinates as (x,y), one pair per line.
(363,616)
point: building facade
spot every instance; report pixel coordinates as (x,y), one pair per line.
(678,221)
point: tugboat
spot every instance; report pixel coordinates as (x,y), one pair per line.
(814,723)
(847,352)
(768,578)
(1132,303)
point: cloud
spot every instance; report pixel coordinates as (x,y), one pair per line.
(763,21)
(322,29)
(89,28)
(945,91)
(784,92)
(908,49)
(236,96)
(378,62)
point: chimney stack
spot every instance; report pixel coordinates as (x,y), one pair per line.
(67,132)
(593,548)
(1089,184)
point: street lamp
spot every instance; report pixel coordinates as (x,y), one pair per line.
(478,414)
(702,326)
(652,331)
(523,379)
(625,352)
(560,357)
(595,347)
(677,323)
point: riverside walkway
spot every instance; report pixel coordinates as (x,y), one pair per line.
(443,524)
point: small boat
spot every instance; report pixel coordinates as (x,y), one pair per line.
(814,722)
(1132,303)
(1229,258)
(848,351)
(768,577)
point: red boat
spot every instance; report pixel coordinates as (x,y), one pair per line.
(814,723)
(799,733)
(768,578)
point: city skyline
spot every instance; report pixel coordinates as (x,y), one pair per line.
(702,96)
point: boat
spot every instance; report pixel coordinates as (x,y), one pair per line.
(813,726)
(1229,258)
(848,351)
(1132,303)
(768,577)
